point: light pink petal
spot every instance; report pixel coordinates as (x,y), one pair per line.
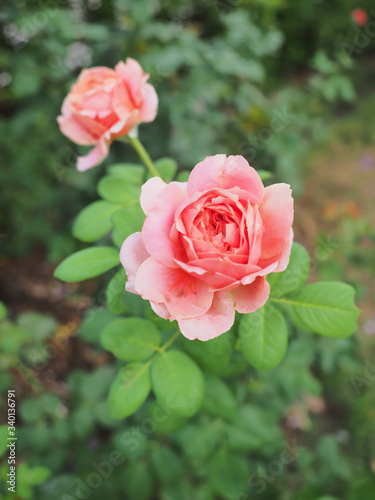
(94,157)
(122,103)
(150,104)
(150,192)
(255,233)
(249,298)
(218,320)
(79,129)
(134,78)
(158,224)
(284,259)
(226,267)
(226,173)
(216,281)
(161,310)
(276,211)
(246,280)
(183,295)
(132,254)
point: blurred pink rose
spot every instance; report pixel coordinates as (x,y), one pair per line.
(105,104)
(359,16)
(207,245)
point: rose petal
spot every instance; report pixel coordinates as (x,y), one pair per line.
(158,224)
(161,310)
(276,211)
(94,157)
(249,298)
(150,104)
(226,173)
(132,254)
(150,192)
(183,295)
(216,321)
(284,259)
(134,78)
(78,128)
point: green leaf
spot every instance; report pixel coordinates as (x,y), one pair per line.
(263,337)
(265,174)
(183,176)
(40,326)
(167,465)
(130,172)
(3,311)
(3,439)
(93,323)
(165,421)
(36,475)
(94,221)
(178,383)
(137,482)
(294,276)
(229,474)
(252,429)
(118,190)
(218,399)
(167,168)
(115,291)
(212,355)
(87,263)
(126,222)
(129,390)
(326,308)
(12,337)
(199,442)
(131,339)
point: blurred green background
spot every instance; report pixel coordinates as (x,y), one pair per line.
(289,85)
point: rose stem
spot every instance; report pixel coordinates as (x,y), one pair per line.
(138,146)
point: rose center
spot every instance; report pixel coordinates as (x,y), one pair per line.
(218,228)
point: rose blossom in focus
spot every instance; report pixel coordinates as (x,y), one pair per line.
(359,16)
(105,104)
(207,245)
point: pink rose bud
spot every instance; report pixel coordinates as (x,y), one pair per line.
(359,16)
(207,245)
(105,104)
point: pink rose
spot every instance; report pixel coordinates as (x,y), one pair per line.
(207,245)
(105,104)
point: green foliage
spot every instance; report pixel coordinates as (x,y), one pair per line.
(228,474)
(263,337)
(131,339)
(129,390)
(118,190)
(218,399)
(87,263)
(178,383)
(326,308)
(216,67)
(115,292)
(167,169)
(295,275)
(94,221)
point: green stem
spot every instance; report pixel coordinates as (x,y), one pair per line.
(138,146)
